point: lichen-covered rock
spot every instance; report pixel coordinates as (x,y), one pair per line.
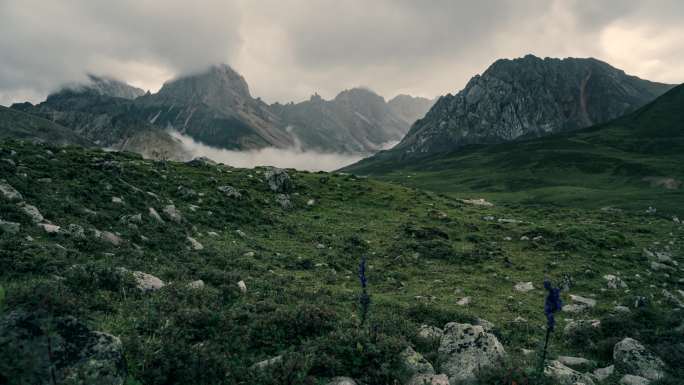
(284,201)
(629,379)
(77,356)
(563,375)
(631,357)
(230,192)
(173,214)
(602,373)
(268,364)
(429,334)
(415,363)
(145,282)
(278,180)
(614,282)
(8,192)
(195,244)
(467,349)
(32,212)
(196,285)
(524,287)
(342,381)
(428,379)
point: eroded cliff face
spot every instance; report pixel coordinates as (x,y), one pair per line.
(528,97)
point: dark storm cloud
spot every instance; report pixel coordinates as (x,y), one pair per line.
(289,49)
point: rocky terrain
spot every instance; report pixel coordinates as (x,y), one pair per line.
(528,97)
(121,270)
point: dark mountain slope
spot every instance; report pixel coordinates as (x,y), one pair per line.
(15,124)
(635,160)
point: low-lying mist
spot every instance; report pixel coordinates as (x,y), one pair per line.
(284,158)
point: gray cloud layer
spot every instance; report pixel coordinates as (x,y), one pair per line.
(289,49)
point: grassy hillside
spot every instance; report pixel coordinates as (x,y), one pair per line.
(425,253)
(15,124)
(633,162)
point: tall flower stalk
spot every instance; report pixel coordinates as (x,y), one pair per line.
(552,304)
(364,298)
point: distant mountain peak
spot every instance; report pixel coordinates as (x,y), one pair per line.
(104,86)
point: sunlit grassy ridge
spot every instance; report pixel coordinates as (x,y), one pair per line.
(425,251)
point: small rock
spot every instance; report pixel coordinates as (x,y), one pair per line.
(577,363)
(463,301)
(342,381)
(9,193)
(603,373)
(614,282)
(310,202)
(173,214)
(146,282)
(268,364)
(486,325)
(524,287)
(195,244)
(117,200)
(32,212)
(629,379)
(230,192)
(563,375)
(241,233)
(415,363)
(477,202)
(197,285)
(111,238)
(430,333)
(186,192)
(588,302)
(657,266)
(622,309)
(49,228)
(243,286)
(284,201)
(155,215)
(249,254)
(429,379)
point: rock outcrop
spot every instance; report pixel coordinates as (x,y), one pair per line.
(467,349)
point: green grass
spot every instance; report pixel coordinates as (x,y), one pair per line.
(425,250)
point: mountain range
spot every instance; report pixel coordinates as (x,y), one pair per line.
(216,108)
(525,98)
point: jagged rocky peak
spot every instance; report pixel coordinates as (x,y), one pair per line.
(217,86)
(104,86)
(529,97)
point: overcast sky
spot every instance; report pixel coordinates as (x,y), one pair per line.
(289,49)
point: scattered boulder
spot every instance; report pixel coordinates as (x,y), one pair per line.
(284,201)
(32,212)
(243,287)
(268,364)
(201,161)
(186,192)
(173,214)
(577,363)
(580,328)
(415,363)
(477,202)
(672,299)
(614,282)
(146,282)
(155,215)
(429,379)
(278,180)
(112,238)
(563,375)
(429,333)
(117,200)
(465,301)
(631,357)
(579,304)
(197,285)
(524,287)
(74,231)
(602,373)
(83,356)
(8,192)
(230,192)
(342,381)
(657,266)
(9,227)
(466,349)
(629,379)
(49,228)
(486,325)
(195,244)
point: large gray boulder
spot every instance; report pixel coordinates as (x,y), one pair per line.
(631,357)
(415,363)
(629,379)
(278,180)
(76,354)
(32,212)
(467,349)
(563,375)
